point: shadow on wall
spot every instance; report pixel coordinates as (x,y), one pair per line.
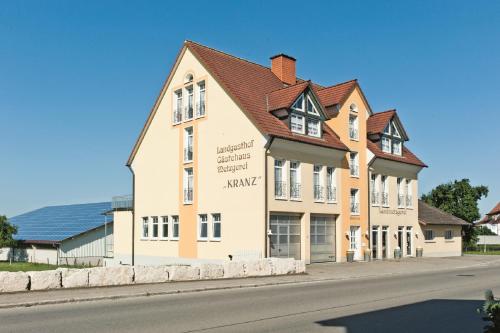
(440,315)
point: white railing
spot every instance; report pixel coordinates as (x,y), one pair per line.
(385,199)
(401,200)
(409,200)
(318,193)
(354,170)
(188,154)
(122,202)
(200,109)
(295,191)
(355,208)
(353,133)
(188,112)
(375,198)
(188,195)
(177,116)
(331,193)
(280,189)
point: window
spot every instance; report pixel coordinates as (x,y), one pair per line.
(331,188)
(318,184)
(354,164)
(189,109)
(448,234)
(200,105)
(429,234)
(164,227)
(311,108)
(409,195)
(188,78)
(188,144)
(313,127)
(279,179)
(386,144)
(202,227)
(374,190)
(294,180)
(385,191)
(354,201)
(145,227)
(175,227)
(299,104)
(391,140)
(155,227)
(353,127)
(353,108)
(297,123)
(216,226)
(401,196)
(396,147)
(178,106)
(188,185)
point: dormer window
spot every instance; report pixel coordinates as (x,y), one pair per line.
(391,141)
(305,117)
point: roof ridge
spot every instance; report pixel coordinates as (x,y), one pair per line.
(338,84)
(225,53)
(290,86)
(386,111)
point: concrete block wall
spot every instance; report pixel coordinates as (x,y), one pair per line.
(126,275)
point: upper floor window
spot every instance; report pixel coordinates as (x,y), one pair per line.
(188,185)
(313,127)
(305,117)
(311,108)
(200,103)
(297,123)
(353,107)
(354,201)
(428,234)
(318,183)
(391,141)
(299,104)
(188,144)
(374,190)
(409,193)
(279,179)
(189,101)
(353,127)
(295,180)
(448,234)
(331,187)
(401,196)
(178,106)
(385,191)
(189,108)
(354,164)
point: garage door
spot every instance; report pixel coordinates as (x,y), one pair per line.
(285,237)
(322,238)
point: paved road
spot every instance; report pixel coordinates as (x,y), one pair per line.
(427,302)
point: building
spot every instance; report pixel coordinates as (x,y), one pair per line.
(70,234)
(440,233)
(238,160)
(492,219)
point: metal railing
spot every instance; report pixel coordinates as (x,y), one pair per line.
(355,208)
(200,109)
(188,195)
(318,192)
(385,199)
(354,170)
(280,189)
(188,112)
(401,200)
(331,193)
(409,200)
(177,116)
(295,190)
(353,133)
(122,202)
(188,154)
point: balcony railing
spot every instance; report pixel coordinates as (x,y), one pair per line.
(280,189)
(318,193)
(188,195)
(375,198)
(200,109)
(188,112)
(122,202)
(354,170)
(295,191)
(177,116)
(353,133)
(355,208)
(188,154)
(331,193)
(409,200)
(401,200)
(385,199)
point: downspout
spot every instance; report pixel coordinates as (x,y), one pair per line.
(266,226)
(133,214)
(369,208)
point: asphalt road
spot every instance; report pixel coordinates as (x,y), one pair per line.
(430,302)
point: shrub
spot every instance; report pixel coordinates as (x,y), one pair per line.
(491,313)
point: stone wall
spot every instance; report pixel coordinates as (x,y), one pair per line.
(126,275)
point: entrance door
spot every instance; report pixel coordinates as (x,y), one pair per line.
(408,241)
(375,253)
(385,241)
(285,237)
(322,235)
(355,241)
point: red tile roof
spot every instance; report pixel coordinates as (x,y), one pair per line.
(249,84)
(495,210)
(284,97)
(336,94)
(407,157)
(377,122)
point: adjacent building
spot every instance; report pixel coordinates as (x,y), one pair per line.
(69,234)
(492,219)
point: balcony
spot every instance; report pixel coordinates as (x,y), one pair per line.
(355,208)
(188,195)
(375,198)
(353,133)
(385,199)
(200,109)
(188,154)
(188,112)
(295,191)
(331,194)
(318,193)
(177,116)
(354,170)
(122,202)
(280,190)
(401,200)
(409,200)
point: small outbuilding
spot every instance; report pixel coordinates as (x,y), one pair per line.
(441,231)
(69,234)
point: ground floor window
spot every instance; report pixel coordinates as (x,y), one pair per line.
(164,227)
(175,227)
(285,236)
(202,226)
(216,226)
(428,234)
(155,226)
(145,227)
(448,234)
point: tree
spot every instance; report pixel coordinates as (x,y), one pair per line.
(484,231)
(7,230)
(460,199)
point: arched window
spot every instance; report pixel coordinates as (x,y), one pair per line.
(188,78)
(353,107)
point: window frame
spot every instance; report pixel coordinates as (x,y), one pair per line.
(331,183)
(201,88)
(165,226)
(319,187)
(356,201)
(432,235)
(202,220)
(354,128)
(450,238)
(145,228)
(155,225)
(214,222)
(175,223)
(354,164)
(292,124)
(187,181)
(188,134)
(297,193)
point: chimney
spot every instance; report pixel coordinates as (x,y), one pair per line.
(283,66)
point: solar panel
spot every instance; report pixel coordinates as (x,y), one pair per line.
(56,223)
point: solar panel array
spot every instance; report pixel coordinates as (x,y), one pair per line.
(56,223)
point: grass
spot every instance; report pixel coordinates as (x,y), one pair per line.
(494,253)
(28,266)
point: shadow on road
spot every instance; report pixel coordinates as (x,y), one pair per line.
(440,315)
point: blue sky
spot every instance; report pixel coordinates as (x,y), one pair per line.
(78,79)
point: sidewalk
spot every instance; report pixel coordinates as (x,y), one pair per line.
(315,272)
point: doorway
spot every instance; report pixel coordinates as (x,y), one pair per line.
(375,252)
(322,235)
(355,241)
(285,236)
(385,242)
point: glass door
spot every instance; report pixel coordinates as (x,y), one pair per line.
(375,253)
(355,241)
(385,242)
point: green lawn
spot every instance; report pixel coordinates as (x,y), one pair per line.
(483,253)
(27,266)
